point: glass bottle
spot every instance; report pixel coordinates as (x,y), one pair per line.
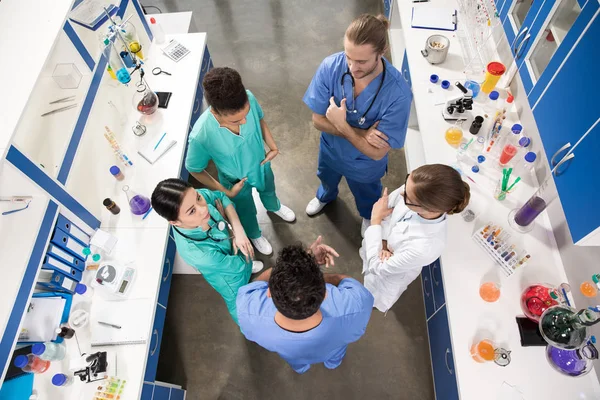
(111,206)
(115,62)
(522,219)
(576,362)
(62,380)
(476,148)
(138,204)
(145,100)
(65,332)
(32,363)
(49,351)
(565,328)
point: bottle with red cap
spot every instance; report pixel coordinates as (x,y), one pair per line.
(157,31)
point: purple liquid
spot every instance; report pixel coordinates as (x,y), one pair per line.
(567,361)
(530,211)
(139,204)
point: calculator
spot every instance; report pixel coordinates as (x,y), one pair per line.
(175,50)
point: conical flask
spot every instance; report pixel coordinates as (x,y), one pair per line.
(145,100)
(566,328)
(138,204)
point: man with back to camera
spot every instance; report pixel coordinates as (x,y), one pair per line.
(372,116)
(305,316)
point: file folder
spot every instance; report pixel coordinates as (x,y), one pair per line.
(60,254)
(73,230)
(53,264)
(55,280)
(66,242)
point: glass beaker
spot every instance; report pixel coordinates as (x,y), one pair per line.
(138,204)
(522,219)
(132,39)
(145,100)
(115,63)
(454,134)
(588,289)
(489,291)
(484,351)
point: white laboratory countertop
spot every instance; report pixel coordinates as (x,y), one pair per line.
(172,23)
(465,265)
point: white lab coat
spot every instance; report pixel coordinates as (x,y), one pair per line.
(415,243)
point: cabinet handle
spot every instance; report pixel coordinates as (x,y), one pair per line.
(168,271)
(450,370)
(553,161)
(568,158)
(515,43)
(196,106)
(156,343)
(405,75)
(425,291)
(522,45)
(437,283)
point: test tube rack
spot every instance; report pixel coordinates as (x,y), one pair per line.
(476,22)
(117,150)
(110,389)
(497,243)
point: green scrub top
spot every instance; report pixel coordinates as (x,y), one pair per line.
(236,156)
(224,271)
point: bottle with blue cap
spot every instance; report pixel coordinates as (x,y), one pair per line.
(529,163)
(84,291)
(31,363)
(49,351)
(62,380)
(492,105)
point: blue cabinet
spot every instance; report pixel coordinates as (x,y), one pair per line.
(564,114)
(155,339)
(161,392)
(517,16)
(147,391)
(439,298)
(177,394)
(387,8)
(167,273)
(442,360)
(405,70)
(427,291)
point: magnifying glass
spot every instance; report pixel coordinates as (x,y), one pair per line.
(158,71)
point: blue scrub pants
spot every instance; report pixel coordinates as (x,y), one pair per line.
(332,363)
(365,194)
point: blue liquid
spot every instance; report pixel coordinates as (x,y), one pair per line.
(123,76)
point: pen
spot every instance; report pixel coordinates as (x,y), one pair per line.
(147,212)
(420,1)
(111,325)
(159,140)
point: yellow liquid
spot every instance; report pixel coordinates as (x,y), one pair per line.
(111,72)
(136,48)
(454,136)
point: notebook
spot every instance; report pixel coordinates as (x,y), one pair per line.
(133,316)
(152,154)
(91,14)
(441,18)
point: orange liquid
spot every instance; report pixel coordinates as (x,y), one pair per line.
(454,136)
(489,292)
(483,351)
(588,289)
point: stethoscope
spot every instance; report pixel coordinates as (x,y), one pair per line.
(362,119)
(221,225)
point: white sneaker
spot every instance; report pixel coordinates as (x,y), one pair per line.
(363,227)
(257,266)
(286,214)
(314,207)
(262,245)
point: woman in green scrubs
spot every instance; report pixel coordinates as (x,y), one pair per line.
(208,235)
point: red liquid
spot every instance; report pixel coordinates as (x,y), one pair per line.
(508,152)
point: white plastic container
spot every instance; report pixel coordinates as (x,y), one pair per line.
(157,31)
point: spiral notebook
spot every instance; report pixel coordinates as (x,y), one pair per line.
(132,316)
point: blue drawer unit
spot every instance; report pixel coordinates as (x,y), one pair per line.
(442,360)
(439,299)
(155,339)
(161,392)
(177,394)
(167,274)
(147,391)
(405,70)
(427,291)
(387,7)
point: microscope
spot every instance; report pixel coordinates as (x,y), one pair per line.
(457,107)
(96,370)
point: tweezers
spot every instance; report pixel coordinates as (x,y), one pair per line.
(63,100)
(59,110)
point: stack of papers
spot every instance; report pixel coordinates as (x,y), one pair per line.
(90,13)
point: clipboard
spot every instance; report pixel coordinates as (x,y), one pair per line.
(65,314)
(438,18)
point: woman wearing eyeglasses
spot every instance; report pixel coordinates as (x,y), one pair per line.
(208,235)
(408,230)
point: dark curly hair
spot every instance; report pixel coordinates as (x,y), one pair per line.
(224,90)
(297,285)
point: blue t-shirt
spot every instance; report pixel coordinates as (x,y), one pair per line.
(346,311)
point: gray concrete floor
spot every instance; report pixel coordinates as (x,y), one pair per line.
(276,46)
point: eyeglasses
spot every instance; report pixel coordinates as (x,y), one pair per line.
(404,195)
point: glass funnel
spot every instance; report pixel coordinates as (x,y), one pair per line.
(138,204)
(576,362)
(566,328)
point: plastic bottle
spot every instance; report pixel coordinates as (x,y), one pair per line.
(529,161)
(31,363)
(49,351)
(84,291)
(492,106)
(157,31)
(62,380)
(511,145)
(476,147)
(116,173)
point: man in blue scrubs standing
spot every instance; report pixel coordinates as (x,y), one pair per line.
(361,104)
(305,316)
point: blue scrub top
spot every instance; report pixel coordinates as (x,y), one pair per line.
(346,311)
(391,108)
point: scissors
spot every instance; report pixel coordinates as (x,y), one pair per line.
(158,71)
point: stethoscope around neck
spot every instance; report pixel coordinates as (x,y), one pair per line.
(362,119)
(221,225)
